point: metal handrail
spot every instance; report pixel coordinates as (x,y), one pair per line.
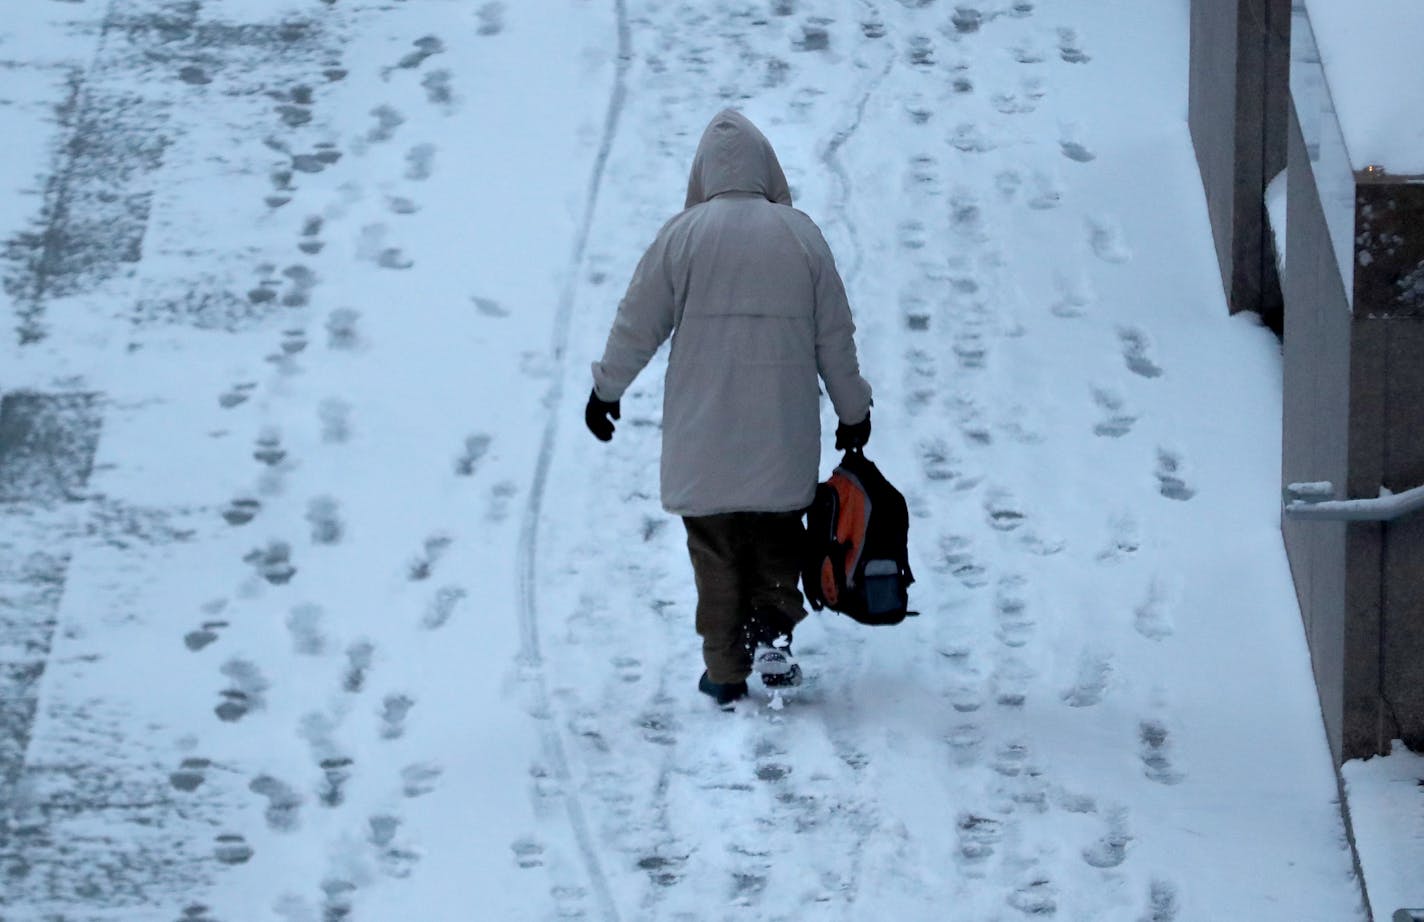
(1313,502)
(1408,915)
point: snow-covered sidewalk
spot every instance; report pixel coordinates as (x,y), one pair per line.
(358,622)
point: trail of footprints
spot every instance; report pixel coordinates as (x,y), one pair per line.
(275,562)
(944,309)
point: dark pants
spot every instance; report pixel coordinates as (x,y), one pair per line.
(747,565)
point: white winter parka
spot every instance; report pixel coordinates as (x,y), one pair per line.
(747,288)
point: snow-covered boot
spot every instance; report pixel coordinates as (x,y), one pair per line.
(775,664)
(724,693)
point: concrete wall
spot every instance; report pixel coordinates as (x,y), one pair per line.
(1315,435)
(1354,415)
(1387,443)
(1239,86)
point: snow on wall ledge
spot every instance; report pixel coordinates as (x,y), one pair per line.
(1387,806)
(1370,50)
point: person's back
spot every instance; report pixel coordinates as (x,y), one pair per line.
(747,288)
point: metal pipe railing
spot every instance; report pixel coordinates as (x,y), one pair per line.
(1314,502)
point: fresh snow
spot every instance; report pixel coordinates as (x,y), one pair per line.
(352,619)
(1387,812)
(1370,49)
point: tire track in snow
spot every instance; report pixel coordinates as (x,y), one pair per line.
(830,156)
(530,654)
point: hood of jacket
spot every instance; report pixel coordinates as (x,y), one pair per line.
(734,156)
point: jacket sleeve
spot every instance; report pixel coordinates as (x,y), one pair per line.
(836,359)
(643,323)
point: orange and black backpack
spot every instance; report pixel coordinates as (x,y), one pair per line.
(857,535)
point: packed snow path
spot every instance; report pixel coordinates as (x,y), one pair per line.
(318,603)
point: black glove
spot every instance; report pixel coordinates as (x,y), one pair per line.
(853,436)
(597,414)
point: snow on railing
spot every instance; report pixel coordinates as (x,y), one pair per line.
(1408,915)
(1313,501)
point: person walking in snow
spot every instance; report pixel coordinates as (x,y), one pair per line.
(748,290)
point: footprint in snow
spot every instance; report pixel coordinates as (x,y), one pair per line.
(1015,625)
(311,244)
(1162,902)
(324,517)
(1110,850)
(920,51)
(922,177)
(338,903)
(1123,540)
(1091,684)
(442,607)
(420,162)
(231,849)
(237,395)
(435,547)
(1070,47)
(1171,481)
(269,447)
(969,138)
(1116,421)
(814,37)
(283,802)
(304,624)
(937,461)
(1002,511)
(190,775)
(245,694)
(294,341)
(978,838)
(1047,192)
(1135,349)
(501,495)
(1152,617)
(489,307)
(659,727)
(1106,240)
(966,744)
(335,416)
(1075,297)
(358,663)
(342,334)
(966,19)
(395,860)
(205,635)
(663,870)
(1077,151)
(917,109)
(1028,53)
(1155,752)
(1036,896)
(957,559)
(388,120)
(476,447)
(394,710)
(336,772)
(490,17)
(419,778)
(273,563)
(425,48)
(1010,682)
(528,853)
(912,234)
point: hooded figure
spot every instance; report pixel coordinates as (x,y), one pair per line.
(746,287)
